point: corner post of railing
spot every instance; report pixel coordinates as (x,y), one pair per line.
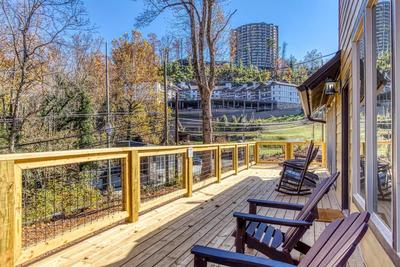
(189,171)
(324,161)
(288,152)
(256,152)
(247,156)
(134,186)
(235,158)
(10,207)
(219,164)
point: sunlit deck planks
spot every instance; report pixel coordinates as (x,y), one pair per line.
(164,236)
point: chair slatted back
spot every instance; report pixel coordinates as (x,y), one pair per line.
(310,153)
(310,148)
(337,242)
(308,212)
(314,154)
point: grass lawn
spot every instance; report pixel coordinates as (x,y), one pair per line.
(292,133)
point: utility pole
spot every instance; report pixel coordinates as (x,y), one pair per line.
(166,97)
(108,121)
(176,116)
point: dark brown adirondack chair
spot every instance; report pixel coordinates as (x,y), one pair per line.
(294,176)
(333,248)
(259,233)
(384,179)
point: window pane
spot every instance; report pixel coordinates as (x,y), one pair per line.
(383,183)
(361,51)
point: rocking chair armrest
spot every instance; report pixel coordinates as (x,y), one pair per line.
(275,204)
(230,258)
(271,220)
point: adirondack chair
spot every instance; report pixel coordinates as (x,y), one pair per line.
(333,248)
(257,231)
(384,179)
(294,176)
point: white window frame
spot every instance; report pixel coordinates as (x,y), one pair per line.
(396,123)
(360,201)
(371,100)
(391,236)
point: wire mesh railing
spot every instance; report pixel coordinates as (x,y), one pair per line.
(299,151)
(66,195)
(273,152)
(252,156)
(203,165)
(160,175)
(227,159)
(59,199)
(241,156)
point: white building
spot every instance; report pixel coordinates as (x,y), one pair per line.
(284,93)
(281,94)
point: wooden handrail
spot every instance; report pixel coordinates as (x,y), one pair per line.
(13,165)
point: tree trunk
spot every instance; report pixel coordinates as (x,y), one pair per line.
(207,117)
(12,141)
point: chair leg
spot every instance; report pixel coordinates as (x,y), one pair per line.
(282,175)
(301,182)
(252,208)
(240,235)
(199,261)
(302,247)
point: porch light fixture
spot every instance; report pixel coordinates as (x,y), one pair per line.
(330,87)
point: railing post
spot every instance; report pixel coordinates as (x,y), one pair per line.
(189,172)
(219,164)
(134,186)
(235,158)
(247,158)
(324,161)
(288,151)
(256,152)
(9,211)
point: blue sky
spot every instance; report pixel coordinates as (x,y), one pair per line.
(303,24)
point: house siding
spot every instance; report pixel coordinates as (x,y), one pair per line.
(349,18)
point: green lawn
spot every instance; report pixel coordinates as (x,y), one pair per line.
(292,133)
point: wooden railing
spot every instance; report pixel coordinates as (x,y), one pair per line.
(50,199)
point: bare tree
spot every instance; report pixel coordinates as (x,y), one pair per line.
(207,22)
(33,28)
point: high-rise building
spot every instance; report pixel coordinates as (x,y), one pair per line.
(383,26)
(256,44)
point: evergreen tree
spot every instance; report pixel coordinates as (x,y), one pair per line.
(83,124)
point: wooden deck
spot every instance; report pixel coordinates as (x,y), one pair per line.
(164,236)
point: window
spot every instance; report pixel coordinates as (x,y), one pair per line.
(362,110)
(374,112)
(382,199)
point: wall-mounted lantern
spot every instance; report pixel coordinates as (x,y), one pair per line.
(330,87)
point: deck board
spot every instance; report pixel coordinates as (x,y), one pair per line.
(164,236)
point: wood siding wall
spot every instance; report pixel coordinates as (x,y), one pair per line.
(350,16)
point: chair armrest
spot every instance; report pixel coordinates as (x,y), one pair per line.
(230,258)
(275,204)
(271,220)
